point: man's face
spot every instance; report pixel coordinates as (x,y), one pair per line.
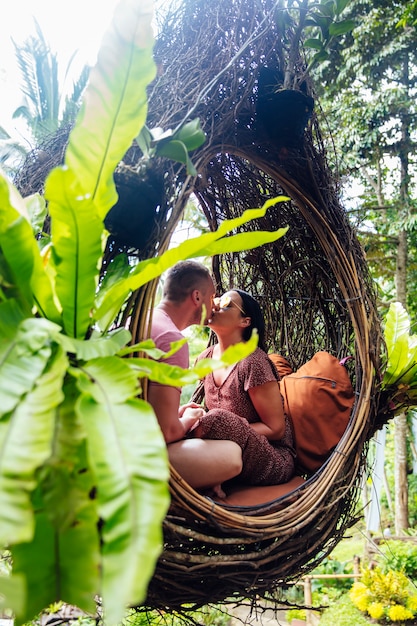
(207,301)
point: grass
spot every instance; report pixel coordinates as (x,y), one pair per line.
(343,613)
(349,547)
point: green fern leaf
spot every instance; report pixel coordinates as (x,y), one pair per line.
(22,254)
(129,458)
(25,443)
(401,347)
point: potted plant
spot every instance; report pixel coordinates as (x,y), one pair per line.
(283,105)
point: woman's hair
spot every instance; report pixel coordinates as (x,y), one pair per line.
(253,310)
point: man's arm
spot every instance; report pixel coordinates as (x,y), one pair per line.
(166,403)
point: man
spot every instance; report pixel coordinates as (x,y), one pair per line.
(187,300)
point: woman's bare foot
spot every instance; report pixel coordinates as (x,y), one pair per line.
(215,492)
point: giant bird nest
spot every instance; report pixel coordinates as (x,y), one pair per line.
(224,62)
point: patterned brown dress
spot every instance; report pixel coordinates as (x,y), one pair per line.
(230,413)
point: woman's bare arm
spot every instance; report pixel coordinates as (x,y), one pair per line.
(267,401)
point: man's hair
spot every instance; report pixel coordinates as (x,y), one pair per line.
(183,278)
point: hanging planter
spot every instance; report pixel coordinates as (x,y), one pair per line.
(134,217)
(282,113)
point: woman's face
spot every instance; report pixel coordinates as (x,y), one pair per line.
(228,311)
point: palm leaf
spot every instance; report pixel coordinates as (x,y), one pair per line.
(76,231)
(65,546)
(115,102)
(25,56)
(39,71)
(128,455)
(22,254)
(4,134)
(25,443)
(73,101)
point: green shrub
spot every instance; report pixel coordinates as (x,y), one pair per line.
(331,588)
(400,556)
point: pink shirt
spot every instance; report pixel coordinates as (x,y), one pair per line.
(163,333)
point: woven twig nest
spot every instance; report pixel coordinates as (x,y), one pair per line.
(313,285)
(213,552)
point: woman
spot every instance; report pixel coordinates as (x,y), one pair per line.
(243,401)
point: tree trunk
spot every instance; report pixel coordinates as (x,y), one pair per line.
(401,429)
(401,482)
(401,270)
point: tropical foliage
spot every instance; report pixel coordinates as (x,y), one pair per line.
(83,465)
(400,556)
(325,22)
(48,104)
(367,90)
(316,25)
(11,151)
(401,369)
(389,597)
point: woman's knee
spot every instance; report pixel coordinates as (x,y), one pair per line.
(223,459)
(204,463)
(234,458)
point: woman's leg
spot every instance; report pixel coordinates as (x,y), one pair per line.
(263,463)
(205,463)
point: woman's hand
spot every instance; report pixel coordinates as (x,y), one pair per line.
(191,414)
(189,405)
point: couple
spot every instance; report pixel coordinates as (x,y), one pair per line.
(245,434)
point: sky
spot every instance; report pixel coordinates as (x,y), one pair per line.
(67,26)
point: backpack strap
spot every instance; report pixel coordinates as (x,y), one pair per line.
(345,360)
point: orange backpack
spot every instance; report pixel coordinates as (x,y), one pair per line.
(318,398)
